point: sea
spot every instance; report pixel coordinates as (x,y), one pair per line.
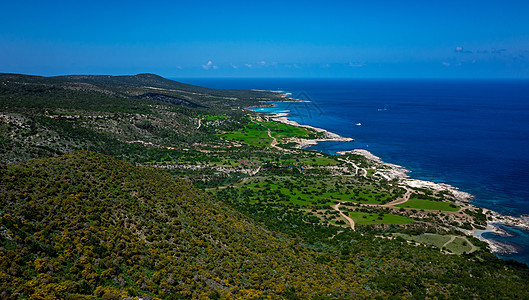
(472,134)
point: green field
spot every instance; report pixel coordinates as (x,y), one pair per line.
(314,161)
(458,246)
(319,191)
(429,204)
(281,131)
(253,134)
(436,240)
(214,117)
(362,218)
(256,133)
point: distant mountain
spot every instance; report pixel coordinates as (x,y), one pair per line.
(135,85)
(162,85)
(45,116)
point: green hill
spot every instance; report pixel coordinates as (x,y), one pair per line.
(84,224)
(130,86)
(87,224)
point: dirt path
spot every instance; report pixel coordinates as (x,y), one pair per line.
(199,123)
(404,199)
(255,172)
(452,238)
(473,247)
(337,208)
(357,168)
(274,143)
(274,140)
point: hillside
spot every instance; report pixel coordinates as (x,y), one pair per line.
(87,224)
(107,228)
(132,86)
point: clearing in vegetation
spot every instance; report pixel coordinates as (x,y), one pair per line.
(429,204)
(363,218)
(453,244)
(255,133)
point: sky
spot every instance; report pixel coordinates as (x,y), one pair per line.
(353,39)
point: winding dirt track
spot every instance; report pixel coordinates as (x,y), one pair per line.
(404,199)
(336,207)
(357,168)
(274,140)
(452,238)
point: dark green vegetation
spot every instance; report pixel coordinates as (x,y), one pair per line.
(108,227)
(314,189)
(182,195)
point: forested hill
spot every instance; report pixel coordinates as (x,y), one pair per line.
(84,224)
(136,118)
(152,80)
(138,85)
(87,224)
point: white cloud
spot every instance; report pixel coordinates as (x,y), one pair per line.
(460,49)
(234,66)
(356,65)
(262,63)
(446,64)
(209,65)
(248,65)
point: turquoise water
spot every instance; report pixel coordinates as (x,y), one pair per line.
(471,134)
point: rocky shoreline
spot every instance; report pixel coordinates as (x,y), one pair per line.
(395,172)
(390,171)
(281,116)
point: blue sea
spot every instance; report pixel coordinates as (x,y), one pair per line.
(472,134)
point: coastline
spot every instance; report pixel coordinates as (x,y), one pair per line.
(396,172)
(282,117)
(494,219)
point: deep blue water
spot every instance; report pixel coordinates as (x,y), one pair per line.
(473,134)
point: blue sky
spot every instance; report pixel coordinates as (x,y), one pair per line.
(387,39)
